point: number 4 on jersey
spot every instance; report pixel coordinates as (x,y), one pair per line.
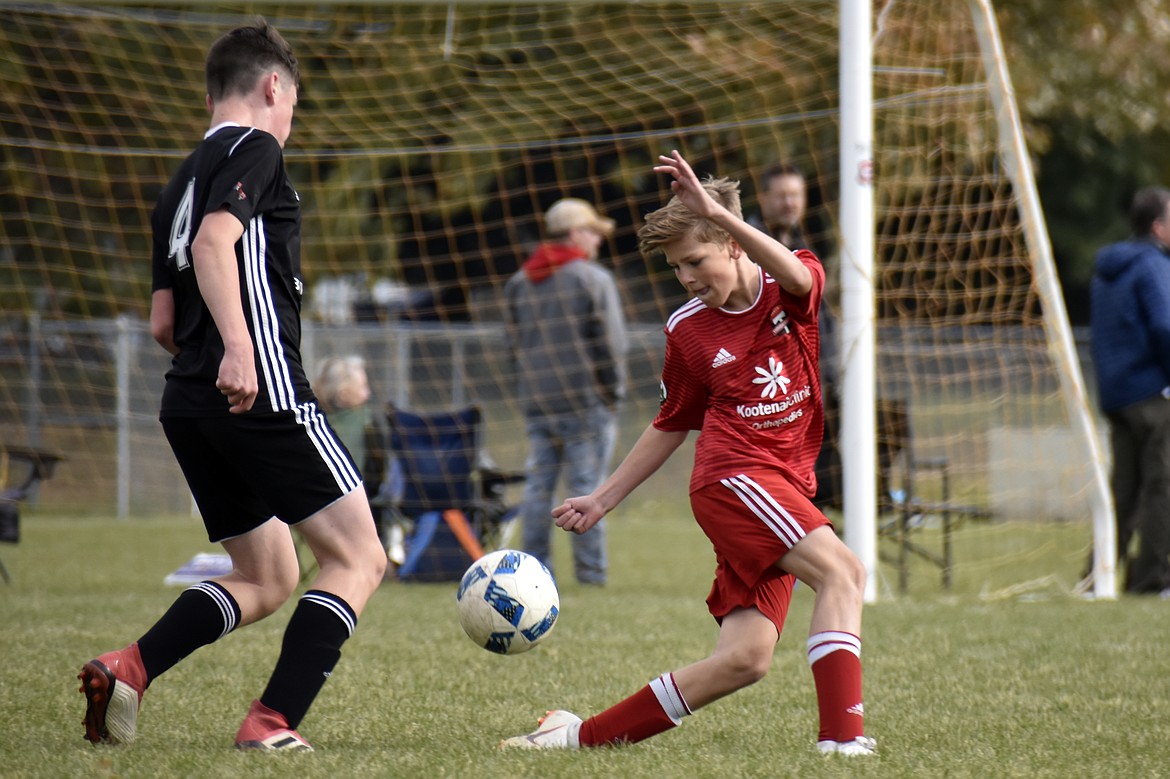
(181,229)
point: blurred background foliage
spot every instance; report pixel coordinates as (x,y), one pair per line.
(1092,81)
(430,137)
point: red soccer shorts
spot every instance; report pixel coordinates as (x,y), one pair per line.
(752,520)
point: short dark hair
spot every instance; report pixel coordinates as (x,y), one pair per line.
(240,57)
(777,169)
(1149,205)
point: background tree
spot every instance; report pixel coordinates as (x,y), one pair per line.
(1092,81)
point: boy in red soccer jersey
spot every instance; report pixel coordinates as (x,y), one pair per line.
(741,367)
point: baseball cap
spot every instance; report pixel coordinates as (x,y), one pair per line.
(570,212)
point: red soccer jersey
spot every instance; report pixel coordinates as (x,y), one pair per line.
(749,381)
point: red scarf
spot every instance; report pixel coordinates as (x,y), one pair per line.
(547,258)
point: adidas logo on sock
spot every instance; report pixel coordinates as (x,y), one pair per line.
(857,708)
(723,358)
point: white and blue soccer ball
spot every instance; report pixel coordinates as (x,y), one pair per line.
(508,602)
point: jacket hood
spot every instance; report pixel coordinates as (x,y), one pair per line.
(1115,258)
(547,258)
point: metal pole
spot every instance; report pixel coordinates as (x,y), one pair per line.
(858,426)
(402,365)
(122,410)
(35,339)
(458,371)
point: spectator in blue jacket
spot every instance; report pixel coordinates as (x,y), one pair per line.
(1130,312)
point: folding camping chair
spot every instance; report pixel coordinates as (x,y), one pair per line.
(440,489)
(906,513)
(15,489)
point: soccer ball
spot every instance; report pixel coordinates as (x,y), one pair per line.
(508,602)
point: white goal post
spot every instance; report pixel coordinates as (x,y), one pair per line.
(858,443)
(1019,167)
(858,449)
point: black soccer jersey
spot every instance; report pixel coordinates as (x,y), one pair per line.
(241,169)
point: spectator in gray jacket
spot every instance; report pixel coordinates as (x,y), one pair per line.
(567,336)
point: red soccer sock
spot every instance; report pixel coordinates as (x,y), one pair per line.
(835,658)
(655,708)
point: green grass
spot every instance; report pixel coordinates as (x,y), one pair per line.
(956,685)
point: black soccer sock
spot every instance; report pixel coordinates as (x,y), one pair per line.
(312,645)
(202,614)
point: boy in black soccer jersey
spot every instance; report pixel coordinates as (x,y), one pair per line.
(257,452)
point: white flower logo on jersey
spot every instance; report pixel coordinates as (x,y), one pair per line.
(772,378)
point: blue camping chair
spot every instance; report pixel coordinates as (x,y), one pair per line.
(449,504)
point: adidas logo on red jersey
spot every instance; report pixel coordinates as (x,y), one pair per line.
(723,358)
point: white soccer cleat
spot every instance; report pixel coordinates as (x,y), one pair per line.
(558,730)
(862,745)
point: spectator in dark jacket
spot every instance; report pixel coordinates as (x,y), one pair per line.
(1130,311)
(783,204)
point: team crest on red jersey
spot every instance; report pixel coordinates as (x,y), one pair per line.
(779,321)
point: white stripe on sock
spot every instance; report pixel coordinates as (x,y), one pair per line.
(220,597)
(343,614)
(670,698)
(826,642)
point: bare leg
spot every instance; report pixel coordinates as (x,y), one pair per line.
(834,573)
(265,570)
(344,539)
(742,656)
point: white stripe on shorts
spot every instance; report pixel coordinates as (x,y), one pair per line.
(310,418)
(764,506)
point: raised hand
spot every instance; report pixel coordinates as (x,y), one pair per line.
(686,185)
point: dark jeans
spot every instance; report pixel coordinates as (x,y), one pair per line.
(1140,438)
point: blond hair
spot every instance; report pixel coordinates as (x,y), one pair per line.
(334,376)
(674,220)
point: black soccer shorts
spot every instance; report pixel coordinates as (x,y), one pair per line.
(245,469)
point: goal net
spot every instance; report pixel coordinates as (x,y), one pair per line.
(429,139)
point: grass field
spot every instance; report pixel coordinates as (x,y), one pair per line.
(956,686)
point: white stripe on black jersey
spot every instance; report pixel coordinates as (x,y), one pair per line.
(266,323)
(237,143)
